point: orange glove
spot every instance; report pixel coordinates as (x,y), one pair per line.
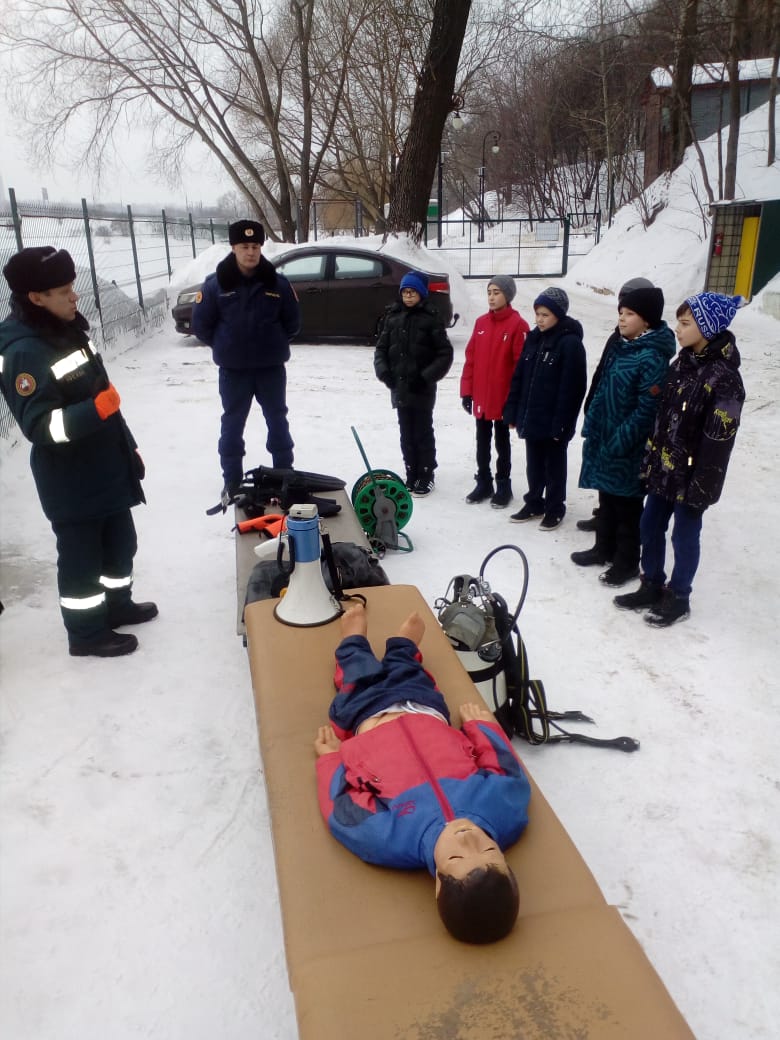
(107,402)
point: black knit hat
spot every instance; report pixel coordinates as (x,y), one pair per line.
(647,303)
(39,268)
(246,231)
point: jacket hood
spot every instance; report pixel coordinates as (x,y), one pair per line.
(229,276)
(660,339)
(722,348)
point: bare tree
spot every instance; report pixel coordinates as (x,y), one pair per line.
(240,80)
(432,104)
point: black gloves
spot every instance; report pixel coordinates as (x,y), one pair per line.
(388,380)
(418,385)
(467,404)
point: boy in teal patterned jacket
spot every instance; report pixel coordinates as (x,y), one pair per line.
(617,424)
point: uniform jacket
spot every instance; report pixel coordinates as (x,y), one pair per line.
(247,322)
(697,422)
(412,354)
(84,467)
(492,353)
(622,411)
(388,793)
(549,383)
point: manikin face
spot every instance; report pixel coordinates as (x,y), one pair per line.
(545,319)
(247,256)
(496,299)
(410,297)
(631,324)
(689,334)
(60,302)
(462,847)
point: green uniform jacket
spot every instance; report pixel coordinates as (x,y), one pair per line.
(84,467)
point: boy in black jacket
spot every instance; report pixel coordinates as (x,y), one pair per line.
(412,354)
(544,400)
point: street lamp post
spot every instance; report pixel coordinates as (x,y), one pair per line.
(495,134)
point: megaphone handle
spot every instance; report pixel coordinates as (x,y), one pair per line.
(333,571)
(280,554)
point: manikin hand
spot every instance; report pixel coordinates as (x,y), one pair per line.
(475,713)
(326,741)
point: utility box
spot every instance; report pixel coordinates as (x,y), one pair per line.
(744,247)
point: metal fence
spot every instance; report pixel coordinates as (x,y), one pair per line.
(522,248)
(123,261)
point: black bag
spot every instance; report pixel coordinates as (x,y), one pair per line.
(355,567)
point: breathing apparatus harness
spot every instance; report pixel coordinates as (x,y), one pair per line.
(485,635)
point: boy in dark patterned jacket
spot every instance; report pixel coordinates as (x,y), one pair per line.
(688,453)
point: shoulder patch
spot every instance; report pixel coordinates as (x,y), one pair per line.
(25,384)
(198,296)
(655,390)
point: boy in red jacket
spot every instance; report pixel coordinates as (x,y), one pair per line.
(491,356)
(400,787)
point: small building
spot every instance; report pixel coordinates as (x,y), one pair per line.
(744,246)
(709,106)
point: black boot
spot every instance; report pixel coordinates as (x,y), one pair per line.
(503,495)
(589,557)
(110,644)
(483,489)
(646,595)
(131,613)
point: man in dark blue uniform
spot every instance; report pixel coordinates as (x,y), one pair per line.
(84,459)
(247,314)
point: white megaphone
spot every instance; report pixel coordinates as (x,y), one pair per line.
(307,601)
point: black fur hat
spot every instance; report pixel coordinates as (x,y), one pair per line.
(39,268)
(246,231)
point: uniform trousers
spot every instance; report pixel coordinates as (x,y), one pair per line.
(237,388)
(94,572)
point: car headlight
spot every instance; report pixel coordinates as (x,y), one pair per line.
(186,297)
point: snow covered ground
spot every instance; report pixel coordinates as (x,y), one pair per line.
(137,885)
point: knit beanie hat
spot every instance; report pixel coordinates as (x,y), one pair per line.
(39,268)
(714,312)
(415,280)
(554,300)
(505,284)
(647,303)
(246,231)
(633,283)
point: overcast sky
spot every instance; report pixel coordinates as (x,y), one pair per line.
(127,182)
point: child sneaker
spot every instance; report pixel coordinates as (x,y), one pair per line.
(422,486)
(550,522)
(524,515)
(669,611)
(617,576)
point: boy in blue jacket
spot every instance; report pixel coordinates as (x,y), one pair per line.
(400,787)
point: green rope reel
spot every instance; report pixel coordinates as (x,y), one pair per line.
(394,496)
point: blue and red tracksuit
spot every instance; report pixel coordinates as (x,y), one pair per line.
(388,793)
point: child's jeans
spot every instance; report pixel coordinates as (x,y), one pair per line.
(685,543)
(366,686)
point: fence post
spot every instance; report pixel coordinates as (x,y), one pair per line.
(192,237)
(135,260)
(358,217)
(565,257)
(211,229)
(16,219)
(167,247)
(91,255)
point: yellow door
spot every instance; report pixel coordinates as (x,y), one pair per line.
(743,281)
